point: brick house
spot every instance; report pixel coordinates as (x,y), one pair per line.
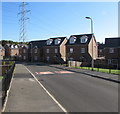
(14,50)
(11,50)
(36,50)
(55,50)
(23,52)
(112,50)
(80,48)
(2,52)
(7,50)
(101,47)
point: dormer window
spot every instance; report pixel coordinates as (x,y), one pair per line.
(83,39)
(16,46)
(12,46)
(57,41)
(72,40)
(49,42)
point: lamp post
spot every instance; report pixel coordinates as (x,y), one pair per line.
(92,62)
(31,51)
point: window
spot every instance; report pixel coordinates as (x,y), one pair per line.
(24,57)
(49,42)
(48,58)
(35,58)
(24,51)
(57,41)
(36,50)
(71,59)
(71,50)
(72,40)
(82,50)
(114,61)
(100,50)
(111,50)
(83,39)
(56,50)
(109,61)
(47,51)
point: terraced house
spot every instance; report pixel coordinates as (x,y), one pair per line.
(2,52)
(112,51)
(81,48)
(23,52)
(55,50)
(11,50)
(36,50)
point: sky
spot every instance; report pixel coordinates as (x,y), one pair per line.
(57,19)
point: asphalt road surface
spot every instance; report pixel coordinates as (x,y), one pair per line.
(77,92)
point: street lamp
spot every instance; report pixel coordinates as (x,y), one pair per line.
(92,62)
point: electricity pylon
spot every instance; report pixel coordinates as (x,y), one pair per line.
(23,18)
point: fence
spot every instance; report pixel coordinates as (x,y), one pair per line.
(96,65)
(6,81)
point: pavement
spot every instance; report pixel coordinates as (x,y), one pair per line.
(96,74)
(26,95)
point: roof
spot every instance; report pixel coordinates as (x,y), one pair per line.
(38,43)
(77,42)
(12,46)
(101,46)
(23,45)
(112,42)
(53,42)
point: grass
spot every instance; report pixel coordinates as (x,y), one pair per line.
(7,62)
(1,77)
(112,71)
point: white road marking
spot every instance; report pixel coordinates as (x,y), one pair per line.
(57,72)
(64,110)
(31,80)
(47,72)
(63,72)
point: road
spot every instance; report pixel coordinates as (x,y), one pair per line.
(77,92)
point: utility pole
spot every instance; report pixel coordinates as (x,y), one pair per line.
(23,18)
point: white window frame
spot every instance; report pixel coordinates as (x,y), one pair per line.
(83,39)
(57,41)
(72,40)
(82,50)
(111,50)
(109,61)
(49,41)
(71,50)
(36,50)
(56,50)
(48,58)
(47,50)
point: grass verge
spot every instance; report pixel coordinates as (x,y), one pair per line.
(112,71)
(1,77)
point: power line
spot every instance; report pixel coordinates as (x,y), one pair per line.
(23,20)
